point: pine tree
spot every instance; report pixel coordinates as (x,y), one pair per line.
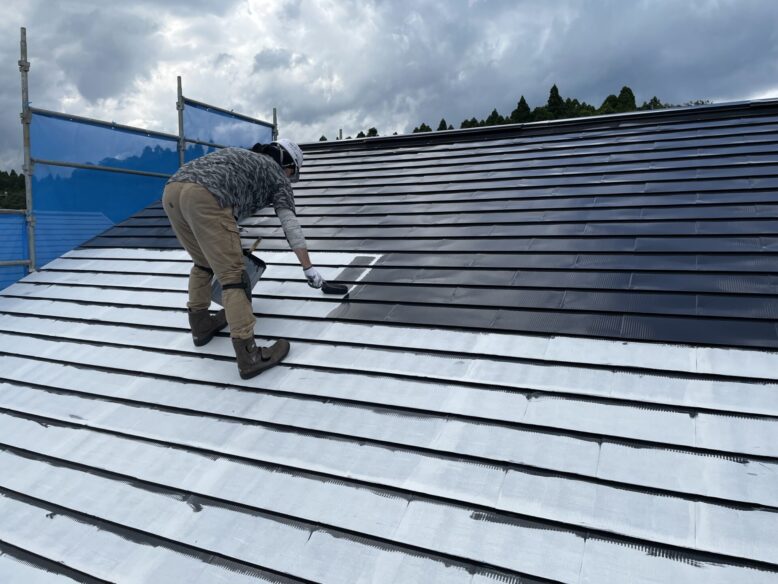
(610,105)
(494,119)
(372,132)
(323,138)
(541,113)
(522,113)
(652,104)
(626,100)
(361,134)
(422,128)
(555,105)
(442,125)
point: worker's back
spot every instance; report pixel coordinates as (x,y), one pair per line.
(241,179)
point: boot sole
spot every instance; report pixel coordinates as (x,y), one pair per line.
(205,341)
(272,362)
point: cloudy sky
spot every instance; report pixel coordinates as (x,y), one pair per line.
(329,64)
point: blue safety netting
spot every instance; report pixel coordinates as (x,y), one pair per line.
(13,246)
(64,139)
(193,151)
(206,124)
(73,205)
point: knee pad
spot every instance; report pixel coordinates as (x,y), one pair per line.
(245,284)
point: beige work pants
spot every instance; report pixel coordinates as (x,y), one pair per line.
(210,234)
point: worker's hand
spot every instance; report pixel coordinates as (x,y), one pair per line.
(314,277)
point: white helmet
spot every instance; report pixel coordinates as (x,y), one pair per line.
(297,155)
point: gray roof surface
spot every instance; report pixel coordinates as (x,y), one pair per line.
(441,424)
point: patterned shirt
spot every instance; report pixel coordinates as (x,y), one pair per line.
(241,179)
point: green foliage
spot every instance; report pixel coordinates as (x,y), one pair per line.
(558,108)
(652,104)
(494,119)
(610,105)
(471,123)
(556,105)
(522,112)
(541,114)
(12,193)
(555,108)
(626,100)
(323,138)
(422,128)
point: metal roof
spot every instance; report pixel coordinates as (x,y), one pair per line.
(556,363)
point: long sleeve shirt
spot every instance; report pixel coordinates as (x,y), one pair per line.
(247,182)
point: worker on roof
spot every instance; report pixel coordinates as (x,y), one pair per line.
(204,201)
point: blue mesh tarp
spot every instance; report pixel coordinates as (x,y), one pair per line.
(73,205)
(197,150)
(72,140)
(13,246)
(209,125)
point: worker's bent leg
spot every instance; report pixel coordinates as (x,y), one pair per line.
(200,280)
(199,277)
(217,235)
(240,316)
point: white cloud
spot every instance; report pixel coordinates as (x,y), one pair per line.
(328,64)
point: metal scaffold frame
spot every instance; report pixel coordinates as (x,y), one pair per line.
(29,162)
(26,115)
(183,139)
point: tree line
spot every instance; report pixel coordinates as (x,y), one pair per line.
(555,108)
(12,194)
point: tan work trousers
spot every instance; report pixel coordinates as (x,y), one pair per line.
(210,234)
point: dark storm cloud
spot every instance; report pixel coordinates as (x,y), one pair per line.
(355,64)
(463,63)
(677,50)
(106,52)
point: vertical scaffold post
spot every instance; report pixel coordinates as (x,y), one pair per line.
(275,124)
(180,108)
(24,68)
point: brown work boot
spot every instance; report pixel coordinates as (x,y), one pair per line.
(253,360)
(204,326)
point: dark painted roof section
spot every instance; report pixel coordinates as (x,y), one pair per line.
(659,226)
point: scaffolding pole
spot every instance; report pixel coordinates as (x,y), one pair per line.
(24,68)
(180,108)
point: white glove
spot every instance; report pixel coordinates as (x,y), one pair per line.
(314,277)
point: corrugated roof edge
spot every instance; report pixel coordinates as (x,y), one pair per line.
(444,136)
